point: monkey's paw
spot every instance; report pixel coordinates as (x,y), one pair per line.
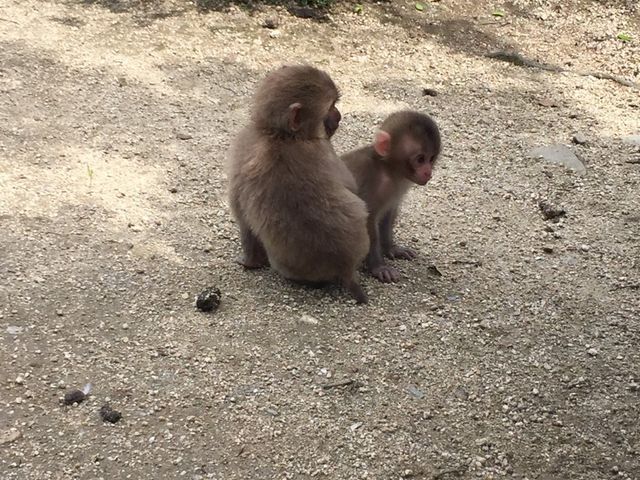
(403,253)
(386,274)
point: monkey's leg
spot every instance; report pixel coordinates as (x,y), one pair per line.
(375,261)
(253,253)
(389,248)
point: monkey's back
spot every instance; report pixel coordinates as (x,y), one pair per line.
(296,201)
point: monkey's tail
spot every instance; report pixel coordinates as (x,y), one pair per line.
(355,289)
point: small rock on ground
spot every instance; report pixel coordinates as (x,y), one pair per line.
(560,155)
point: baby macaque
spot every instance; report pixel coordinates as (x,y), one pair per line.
(293,198)
(404,151)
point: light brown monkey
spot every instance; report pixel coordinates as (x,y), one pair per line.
(404,151)
(291,195)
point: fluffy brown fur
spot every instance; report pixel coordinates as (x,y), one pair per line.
(291,195)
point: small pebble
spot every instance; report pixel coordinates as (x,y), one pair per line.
(9,436)
(415,391)
(209,299)
(579,139)
(308,319)
(480,442)
(550,212)
(355,426)
(271,23)
(110,415)
(593,352)
(184,136)
(74,396)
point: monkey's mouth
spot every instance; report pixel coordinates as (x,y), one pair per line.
(330,128)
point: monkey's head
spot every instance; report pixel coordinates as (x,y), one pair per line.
(298,102)
(410,144)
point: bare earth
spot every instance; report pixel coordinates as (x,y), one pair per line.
(510,349)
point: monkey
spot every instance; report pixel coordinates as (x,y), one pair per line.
(404,151)
(292,197)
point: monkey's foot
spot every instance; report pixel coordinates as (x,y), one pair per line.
(252,264)
(404,253)
(385,273)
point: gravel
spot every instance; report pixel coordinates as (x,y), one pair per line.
(508,350)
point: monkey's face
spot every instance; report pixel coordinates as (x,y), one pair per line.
(420,159)
(421,168)
(332,120)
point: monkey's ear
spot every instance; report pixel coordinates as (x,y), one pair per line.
(294,116)
(382,143)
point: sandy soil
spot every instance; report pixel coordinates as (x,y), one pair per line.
(510,348)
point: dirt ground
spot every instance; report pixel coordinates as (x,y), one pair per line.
(509,349)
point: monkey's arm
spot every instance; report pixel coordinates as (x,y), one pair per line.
(375,261)
(387,245)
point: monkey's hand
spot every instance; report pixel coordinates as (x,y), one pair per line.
(405,253)
(385,273)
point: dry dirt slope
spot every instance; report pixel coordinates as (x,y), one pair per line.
(514,363)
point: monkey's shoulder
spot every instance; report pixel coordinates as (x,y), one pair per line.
(359,156)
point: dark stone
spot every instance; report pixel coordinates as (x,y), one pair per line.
(110,415)
(74,396)
(271,23)
(550,212)
(308,12)
(209,299)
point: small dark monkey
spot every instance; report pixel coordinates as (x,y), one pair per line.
(291,195)
(404,151)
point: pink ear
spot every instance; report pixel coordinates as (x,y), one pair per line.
(294,121)
(382,143)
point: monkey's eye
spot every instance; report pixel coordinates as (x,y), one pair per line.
(420,159)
